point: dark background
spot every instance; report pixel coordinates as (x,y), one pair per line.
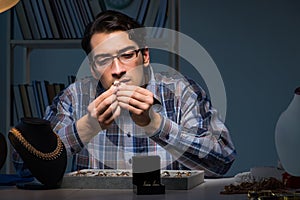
(255,45)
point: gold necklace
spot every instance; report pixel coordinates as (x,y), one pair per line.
(45,156)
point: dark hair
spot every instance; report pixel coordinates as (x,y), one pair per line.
(110,21)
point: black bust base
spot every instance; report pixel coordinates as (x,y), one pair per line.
(35,186)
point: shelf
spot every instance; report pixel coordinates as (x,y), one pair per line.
(48,44)
(27,46)
(72,43)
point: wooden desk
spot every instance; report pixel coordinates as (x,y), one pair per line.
(208,190)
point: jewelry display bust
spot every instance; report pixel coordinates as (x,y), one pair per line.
(41,150)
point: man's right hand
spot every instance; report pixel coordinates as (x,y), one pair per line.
(105,108)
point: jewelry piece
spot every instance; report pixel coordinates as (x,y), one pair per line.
(101,173)
(116,83)
(166,174)
(45,156)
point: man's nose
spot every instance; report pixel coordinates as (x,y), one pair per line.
(118,69)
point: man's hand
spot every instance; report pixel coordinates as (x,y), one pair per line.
(138,101)
(105,108)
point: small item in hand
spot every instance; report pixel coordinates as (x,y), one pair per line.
(116,83)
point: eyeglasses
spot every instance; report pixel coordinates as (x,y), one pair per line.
(127,57)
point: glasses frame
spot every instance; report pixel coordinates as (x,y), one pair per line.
(118,56)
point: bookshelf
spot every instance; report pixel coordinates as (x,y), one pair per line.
(28,44)
(47,44)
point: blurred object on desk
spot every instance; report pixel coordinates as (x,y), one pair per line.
(271,183)
(287,136)
(266,172)
(258,174)
(290,181)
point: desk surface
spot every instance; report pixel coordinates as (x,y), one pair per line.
(210,189)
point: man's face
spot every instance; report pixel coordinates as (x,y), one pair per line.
(116,57)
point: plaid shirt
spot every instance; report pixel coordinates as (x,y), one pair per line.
(190,137)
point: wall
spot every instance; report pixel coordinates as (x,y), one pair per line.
(255,45)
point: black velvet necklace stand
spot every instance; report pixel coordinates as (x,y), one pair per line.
(42,152)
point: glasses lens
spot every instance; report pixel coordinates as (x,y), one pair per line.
(103,62)
(128,56)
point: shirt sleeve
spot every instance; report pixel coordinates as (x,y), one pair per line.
(196,136)
(62,115)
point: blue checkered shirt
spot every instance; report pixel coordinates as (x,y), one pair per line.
(191,136)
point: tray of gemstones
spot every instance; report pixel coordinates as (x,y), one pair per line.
(122,179)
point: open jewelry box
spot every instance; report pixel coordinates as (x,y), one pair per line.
(122,179)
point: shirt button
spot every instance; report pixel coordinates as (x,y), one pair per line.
(167,136)
(130,161)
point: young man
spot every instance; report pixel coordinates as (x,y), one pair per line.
(126,109)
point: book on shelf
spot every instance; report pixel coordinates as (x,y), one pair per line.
(67,19)
(102,5)
(31,100)
(45,93)
(23,21)
(57,88)
(24,99)
(78,16)
(31,20)
(45,18)
(54,19)
(38,17)
(50,92)
(161,17)
(74,19)
(95,7)
(71,79)
(37,89)
(53,23)
(60,19)
(84,12)
(142,12)
(88,10)
(68,22)
(17,102)
(151,15)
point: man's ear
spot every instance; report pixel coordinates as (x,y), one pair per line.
(146,56)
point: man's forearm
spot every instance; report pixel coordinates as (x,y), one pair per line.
(87,128)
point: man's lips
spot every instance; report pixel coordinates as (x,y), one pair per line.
(124,80)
